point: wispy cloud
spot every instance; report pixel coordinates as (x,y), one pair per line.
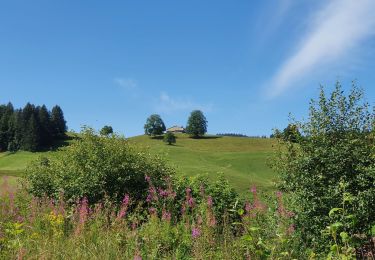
(126,83)
(335,30)
(167,104)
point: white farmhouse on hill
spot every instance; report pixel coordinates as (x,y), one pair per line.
(176,129)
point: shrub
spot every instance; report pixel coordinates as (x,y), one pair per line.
(337,147)
(95,167)
(169,138)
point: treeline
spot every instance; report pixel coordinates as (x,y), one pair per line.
(30,128)
(241,135)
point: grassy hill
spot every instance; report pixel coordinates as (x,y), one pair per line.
(242,160)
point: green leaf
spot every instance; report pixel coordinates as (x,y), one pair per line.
(253,229)
(247,238)
(334,248)
(335,226)
(373,230)
(334,211)
(344,236)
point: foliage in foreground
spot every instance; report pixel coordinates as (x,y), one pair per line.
(336,150)
(46,228)
(95,167)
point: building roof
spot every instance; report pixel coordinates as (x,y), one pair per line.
(176,129)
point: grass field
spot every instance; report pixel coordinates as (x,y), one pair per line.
(242,160)
(13,164)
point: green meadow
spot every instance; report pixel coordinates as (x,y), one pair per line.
(243,161)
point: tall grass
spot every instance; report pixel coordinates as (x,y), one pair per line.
(43,228)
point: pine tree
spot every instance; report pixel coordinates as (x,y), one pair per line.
(31,140)
(5,130)
(44,119)
(58,123)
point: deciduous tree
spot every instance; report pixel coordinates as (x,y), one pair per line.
(197,124)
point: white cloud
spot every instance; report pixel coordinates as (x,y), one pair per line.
(167,104)
(335,30)
(126,83)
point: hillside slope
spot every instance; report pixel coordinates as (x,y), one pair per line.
(242,160)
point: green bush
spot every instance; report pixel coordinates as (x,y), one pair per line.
(95,167)
(337,147)
(169,138)
(226,200)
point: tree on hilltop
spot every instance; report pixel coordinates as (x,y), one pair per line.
(197,124)
(154,125)
(106,130)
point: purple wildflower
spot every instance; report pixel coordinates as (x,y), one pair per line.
(166,215)
(195,232)
(191,202)
(209,201)
(253,189)
(124,207)
(152,211)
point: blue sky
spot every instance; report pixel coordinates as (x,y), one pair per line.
(246,64)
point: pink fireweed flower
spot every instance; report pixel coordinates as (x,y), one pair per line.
(253,189)
(191,202)
(163,193)
(124,207)
(195,232)
(148,178)
(209,201)
(152,211)
(166,215)
(83,215)
(137,257)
